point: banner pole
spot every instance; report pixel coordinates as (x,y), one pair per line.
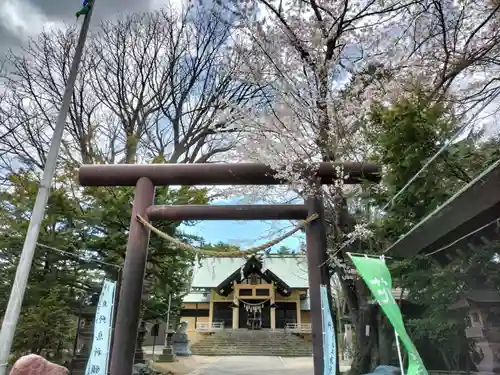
(20,282)
(399,353)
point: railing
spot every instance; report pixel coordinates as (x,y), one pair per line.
(299,327)
(209,327)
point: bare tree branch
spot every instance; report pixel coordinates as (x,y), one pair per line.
(153,84)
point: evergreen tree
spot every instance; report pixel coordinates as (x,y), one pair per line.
(90,226)
(404,136)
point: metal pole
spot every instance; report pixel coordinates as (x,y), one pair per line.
(13,310)
(154,344)
(400,356)
(168,319)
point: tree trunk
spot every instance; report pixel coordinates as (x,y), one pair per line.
(366,338)
(131,148)
(385,339)
(356,293)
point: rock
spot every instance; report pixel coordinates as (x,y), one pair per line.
(33,364)
(386,370)
(182,349)
(142,369)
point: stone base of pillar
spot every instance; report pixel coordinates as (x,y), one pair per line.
(180,341)
(139,356)
(168,355)
(182,348)
(79,365)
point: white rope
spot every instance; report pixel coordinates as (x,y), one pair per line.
(455,136)
(77,256)
(476,180)
(497,221)
(252,304)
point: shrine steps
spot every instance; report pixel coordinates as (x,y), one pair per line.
(243,342)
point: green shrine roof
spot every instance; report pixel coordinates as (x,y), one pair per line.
(213,271)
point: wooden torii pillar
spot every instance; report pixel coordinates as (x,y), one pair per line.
(146,176)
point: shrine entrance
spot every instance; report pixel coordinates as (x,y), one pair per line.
(146,176)
(254,314)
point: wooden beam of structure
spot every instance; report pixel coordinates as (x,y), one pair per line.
(472,207)
(215,174)
(317,266)
(134,268)
(232,212)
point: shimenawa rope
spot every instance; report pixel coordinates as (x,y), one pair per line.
(253,304)
(252,250)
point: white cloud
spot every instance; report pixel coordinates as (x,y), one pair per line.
(176,4)
(24,20)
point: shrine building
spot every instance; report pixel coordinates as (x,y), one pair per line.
(255,293)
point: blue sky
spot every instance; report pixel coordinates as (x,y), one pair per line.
(243,233)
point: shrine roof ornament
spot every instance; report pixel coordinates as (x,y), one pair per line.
(253,265)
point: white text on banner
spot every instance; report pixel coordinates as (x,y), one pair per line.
(329,338)
(99,355)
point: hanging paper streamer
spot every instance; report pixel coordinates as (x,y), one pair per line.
(253,308)
(378,278)
(329,341)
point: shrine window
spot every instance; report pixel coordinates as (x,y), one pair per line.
(262,292)
(245,292)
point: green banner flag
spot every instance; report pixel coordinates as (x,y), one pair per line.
(378,278)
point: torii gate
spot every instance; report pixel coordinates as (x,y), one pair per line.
(146,176)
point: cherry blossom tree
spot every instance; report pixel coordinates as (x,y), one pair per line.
(325,63)
(321,65)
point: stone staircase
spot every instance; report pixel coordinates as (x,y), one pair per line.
(252,343)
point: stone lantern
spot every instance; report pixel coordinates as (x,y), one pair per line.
(85,335)
(139,353)
(482,311)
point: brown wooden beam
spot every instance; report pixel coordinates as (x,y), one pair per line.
(213,174)
(317,266)
(473,206)
(233,212)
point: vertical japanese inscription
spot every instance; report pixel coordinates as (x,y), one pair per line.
(99,355)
